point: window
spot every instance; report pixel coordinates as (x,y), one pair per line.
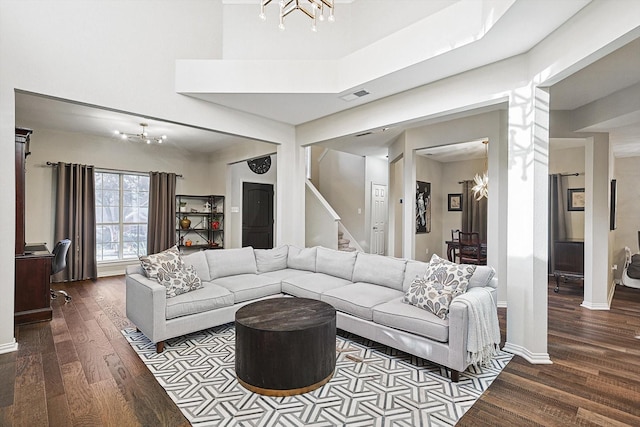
(122,204)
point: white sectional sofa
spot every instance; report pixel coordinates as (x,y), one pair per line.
(366,290)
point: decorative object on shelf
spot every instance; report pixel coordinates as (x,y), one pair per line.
(206,221)
(188,242)
(481,187)
(143,136)
(314,9)
(260,165)
(183,206)
(215,224)
(185,223)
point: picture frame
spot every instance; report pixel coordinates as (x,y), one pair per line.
(423,207)
(454,203)
(614,202)
(575,199)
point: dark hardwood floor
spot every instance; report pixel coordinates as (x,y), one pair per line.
(595,376)
(79,370)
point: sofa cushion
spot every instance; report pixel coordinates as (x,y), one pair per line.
(199,261)
(358,299)
(209,297)
(311,285)
(412,270)
(399,315)
(286,273)
(302,259)
(442,282)
(379,270)
(180,282)
(230,262)
(481,276)
(271,259)
(167,261)
(246,287)
(335,263)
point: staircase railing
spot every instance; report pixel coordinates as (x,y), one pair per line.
(321,220)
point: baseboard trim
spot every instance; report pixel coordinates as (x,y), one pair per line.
(612,292)
(9,347)
(599,306)
(534,358)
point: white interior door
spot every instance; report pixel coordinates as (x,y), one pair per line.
(378,218)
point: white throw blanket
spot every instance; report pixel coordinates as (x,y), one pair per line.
(483,335)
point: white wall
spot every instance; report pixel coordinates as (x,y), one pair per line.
(342,184)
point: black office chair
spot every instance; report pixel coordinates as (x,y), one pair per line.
(59,263)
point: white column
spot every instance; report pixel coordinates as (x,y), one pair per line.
(409,202)
(527,219)
(290,195)
(596,223)
(7,223)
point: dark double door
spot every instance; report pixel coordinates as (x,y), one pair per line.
(257,215)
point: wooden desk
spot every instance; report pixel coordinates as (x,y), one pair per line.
(452,245)
(569,260)
(33,275)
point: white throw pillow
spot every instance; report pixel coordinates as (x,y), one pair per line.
(443,281)
(180,282)
(162,262)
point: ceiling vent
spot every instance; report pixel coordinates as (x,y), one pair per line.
(354,95)
(363,134)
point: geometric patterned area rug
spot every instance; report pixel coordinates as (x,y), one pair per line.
(373,385)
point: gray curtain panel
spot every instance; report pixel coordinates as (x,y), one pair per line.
(75,219)
(474,212)
(161,233)
(557,214)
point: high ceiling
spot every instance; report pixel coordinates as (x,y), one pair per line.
(530,20)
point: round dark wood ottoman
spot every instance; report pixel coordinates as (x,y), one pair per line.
(285,346)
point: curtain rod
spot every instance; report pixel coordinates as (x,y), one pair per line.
(113,170)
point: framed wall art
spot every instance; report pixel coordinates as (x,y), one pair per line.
(455,202)
(423,207)
(575,198)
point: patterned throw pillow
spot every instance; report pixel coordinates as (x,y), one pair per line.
(181,281)
(443,281)
(164,262)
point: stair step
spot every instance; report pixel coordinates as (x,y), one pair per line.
(343,241)
(348,249)
(340,234)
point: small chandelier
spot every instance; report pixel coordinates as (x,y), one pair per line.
(143,136)
(314,9)
(481,187)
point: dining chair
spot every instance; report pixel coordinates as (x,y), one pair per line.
(454,248)
(470,249)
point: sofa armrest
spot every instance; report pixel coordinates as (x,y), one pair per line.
(458,328)
(146,306)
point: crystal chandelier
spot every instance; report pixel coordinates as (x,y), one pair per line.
(481,187)
(314,9)
(143,136)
